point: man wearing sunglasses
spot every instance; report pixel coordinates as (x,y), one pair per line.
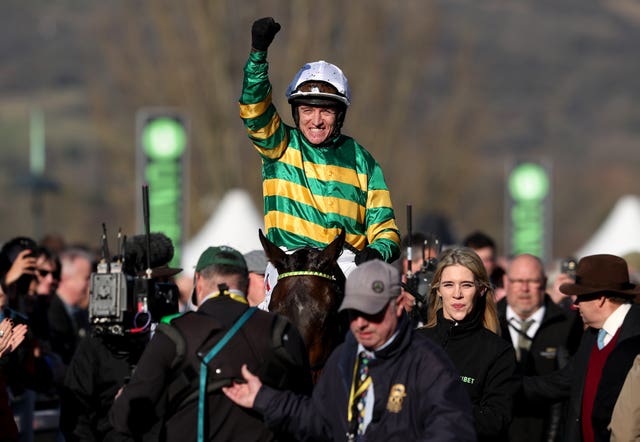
(383,383)
(594,377)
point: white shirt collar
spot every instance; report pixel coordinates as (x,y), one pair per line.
(536,316)
(615,319)
(371,353)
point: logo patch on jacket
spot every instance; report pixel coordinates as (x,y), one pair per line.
(549,353)
(396,396)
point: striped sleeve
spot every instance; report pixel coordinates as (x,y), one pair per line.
(382,232)
(264,127)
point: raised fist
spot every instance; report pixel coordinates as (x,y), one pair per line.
(262,33)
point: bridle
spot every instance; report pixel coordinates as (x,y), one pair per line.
(317,367)
(306,273)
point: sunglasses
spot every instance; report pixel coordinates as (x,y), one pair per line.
(44,273)
(586,298)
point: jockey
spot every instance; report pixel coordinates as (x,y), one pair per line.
(316,181)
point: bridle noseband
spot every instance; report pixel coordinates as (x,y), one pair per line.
(306,273)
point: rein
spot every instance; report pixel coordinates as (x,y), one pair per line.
(306,273)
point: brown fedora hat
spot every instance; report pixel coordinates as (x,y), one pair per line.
(601,273)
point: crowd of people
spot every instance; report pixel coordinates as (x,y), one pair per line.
(451,343)
(498,368)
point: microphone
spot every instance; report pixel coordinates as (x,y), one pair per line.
(135,252)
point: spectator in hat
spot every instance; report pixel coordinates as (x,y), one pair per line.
(172,365)
(384,383)
(594,378)
(256,264)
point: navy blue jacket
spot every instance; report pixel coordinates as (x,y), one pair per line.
(435,405)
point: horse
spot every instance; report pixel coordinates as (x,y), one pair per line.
(309,291)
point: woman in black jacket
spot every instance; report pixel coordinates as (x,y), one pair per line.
(462,318)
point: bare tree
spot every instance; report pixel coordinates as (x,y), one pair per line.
(190,54)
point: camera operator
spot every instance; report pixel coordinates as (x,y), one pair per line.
(183,365)
(104,361)
(417,274)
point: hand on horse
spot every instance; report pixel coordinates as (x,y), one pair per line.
(262,33)
(367,254)
(244,394)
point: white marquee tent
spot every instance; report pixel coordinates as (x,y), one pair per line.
(234,223)
(619,234)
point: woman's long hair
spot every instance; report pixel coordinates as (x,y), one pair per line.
(465,257)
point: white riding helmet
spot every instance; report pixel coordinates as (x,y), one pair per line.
(319,71)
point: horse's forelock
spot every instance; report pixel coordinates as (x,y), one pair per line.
(303,259)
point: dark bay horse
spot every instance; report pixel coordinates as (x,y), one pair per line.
(309,291)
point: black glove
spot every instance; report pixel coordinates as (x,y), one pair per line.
(367,254)
(262,33)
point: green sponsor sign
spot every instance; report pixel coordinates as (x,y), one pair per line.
(164,139)
(162,147)
(528,182)
(528,188)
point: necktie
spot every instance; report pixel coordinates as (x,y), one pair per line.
(524,342)
(601,335)
(361,383)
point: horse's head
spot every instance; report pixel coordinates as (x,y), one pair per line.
(307,258)
(309,291)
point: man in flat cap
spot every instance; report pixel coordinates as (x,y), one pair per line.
(383,383)
(189,360)
(594,378)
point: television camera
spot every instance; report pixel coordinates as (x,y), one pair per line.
(133,290)
(418,283)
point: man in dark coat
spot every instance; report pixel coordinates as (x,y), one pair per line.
(166,382)
(552,335)
(104,360)
(68,316)
(594,377)
(99,368)
(385,383)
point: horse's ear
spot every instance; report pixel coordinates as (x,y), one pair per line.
(273,252)
(334,249)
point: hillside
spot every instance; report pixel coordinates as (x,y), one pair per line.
(446,93)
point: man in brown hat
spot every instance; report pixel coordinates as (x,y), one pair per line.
(595,376)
